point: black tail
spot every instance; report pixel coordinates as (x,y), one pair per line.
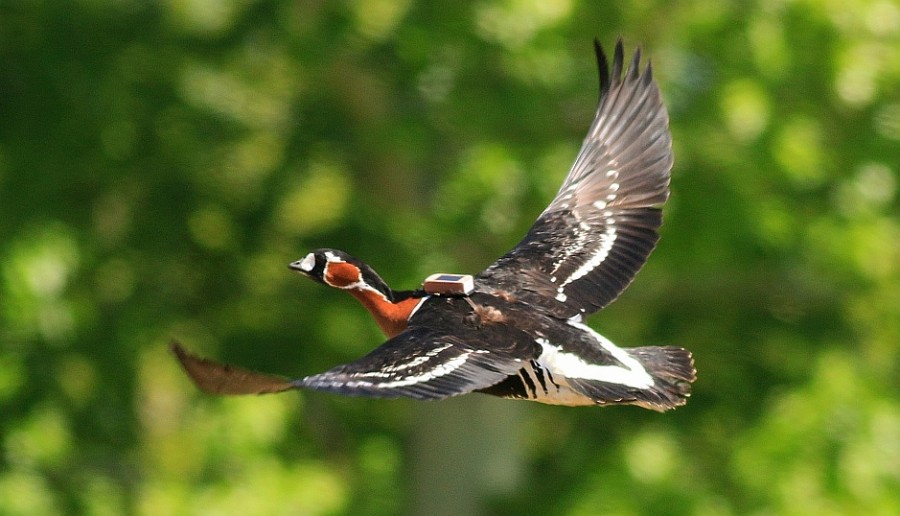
(671,368)
(673,372)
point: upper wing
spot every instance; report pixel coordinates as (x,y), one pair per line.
(598,231)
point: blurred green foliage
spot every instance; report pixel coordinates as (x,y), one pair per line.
(162,162)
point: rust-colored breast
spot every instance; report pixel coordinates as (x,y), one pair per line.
(392,318)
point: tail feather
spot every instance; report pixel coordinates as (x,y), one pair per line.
(672,369)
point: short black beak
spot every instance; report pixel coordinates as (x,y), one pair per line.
(297,267)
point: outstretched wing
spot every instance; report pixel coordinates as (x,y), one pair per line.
(598,231)
(422,363)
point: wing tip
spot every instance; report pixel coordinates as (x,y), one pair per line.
(217,378)
(602,68)
(620,73)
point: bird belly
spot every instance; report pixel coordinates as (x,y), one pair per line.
(535,383)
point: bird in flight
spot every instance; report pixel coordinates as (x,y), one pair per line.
(516,330)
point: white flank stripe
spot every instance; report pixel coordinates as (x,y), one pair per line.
(620,354)
(569,365)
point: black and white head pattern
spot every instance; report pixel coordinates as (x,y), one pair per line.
(317,265)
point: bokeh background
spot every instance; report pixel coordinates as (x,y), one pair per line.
(162,162)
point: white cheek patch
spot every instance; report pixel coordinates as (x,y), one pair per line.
(308,263)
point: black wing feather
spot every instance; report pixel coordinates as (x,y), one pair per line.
(598,231)
(420,363)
